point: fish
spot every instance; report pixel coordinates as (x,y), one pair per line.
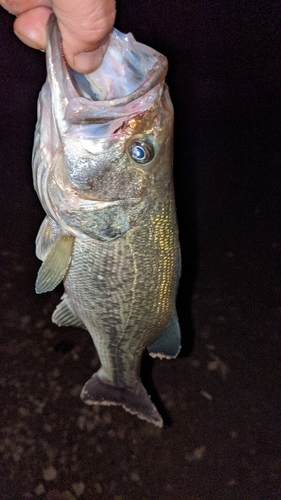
(103,171)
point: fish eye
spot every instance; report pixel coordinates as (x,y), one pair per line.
(141,151)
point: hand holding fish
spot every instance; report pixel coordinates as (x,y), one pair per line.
(84,24)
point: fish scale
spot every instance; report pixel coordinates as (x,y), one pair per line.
(136,289)
(102,169)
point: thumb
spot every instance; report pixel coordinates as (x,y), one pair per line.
(85,26)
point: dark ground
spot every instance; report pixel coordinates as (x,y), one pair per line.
(221,440)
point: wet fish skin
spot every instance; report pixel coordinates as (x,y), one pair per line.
(111,229)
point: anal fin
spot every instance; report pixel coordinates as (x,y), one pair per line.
(64,315)
(168,344)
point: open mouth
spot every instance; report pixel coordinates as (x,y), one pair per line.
(129,69)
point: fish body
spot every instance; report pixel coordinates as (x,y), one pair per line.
(102,167)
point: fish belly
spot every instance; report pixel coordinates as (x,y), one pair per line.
(124,291)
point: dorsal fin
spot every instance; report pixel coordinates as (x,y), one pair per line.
(168,344)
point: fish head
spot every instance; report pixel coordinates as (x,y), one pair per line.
(116,159)
(113,137)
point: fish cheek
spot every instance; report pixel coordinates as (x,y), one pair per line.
(106,176)
(118,180)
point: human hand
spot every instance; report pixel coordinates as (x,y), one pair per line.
(84,25)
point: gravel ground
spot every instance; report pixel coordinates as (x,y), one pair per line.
(220,399)
(219,403)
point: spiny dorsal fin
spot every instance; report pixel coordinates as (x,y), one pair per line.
(55,265)
(64,315)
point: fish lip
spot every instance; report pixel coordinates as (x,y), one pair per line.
(80,110)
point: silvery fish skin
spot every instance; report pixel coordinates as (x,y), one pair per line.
(102,168)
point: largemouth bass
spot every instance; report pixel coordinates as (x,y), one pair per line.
(102,168)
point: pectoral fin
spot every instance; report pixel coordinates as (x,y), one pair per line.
(45,238)
(55,265)
(168,344)
(64,315)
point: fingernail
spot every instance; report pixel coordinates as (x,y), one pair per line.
(31,42)
(86,62)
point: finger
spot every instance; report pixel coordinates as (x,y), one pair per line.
(30,27)
(17,7)
(85,26)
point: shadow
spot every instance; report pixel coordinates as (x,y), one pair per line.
(64,346)
(146,377)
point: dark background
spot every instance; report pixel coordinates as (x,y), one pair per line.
(220,398)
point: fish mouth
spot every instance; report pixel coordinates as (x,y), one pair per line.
(87,87)
(129,71)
